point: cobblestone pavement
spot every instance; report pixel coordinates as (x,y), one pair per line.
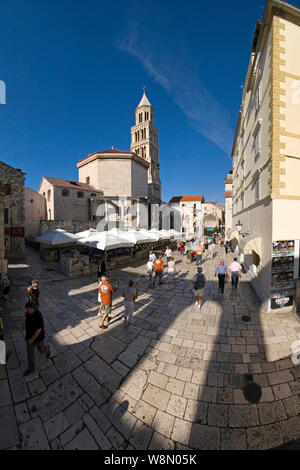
(177,379)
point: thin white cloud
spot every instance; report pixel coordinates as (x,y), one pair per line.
(173,69)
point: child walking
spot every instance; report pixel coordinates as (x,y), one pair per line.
(130,295)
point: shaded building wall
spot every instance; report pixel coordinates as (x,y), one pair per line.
(14,214)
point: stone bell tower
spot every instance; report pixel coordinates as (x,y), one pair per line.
(144,142)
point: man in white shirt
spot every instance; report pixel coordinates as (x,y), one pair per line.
(152,256)
(150,269)
(168,254)
(235,270)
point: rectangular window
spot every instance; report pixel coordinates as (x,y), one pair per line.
(258,97)
(257,142)
(87,180)
(243,171)
(256,190)
(6,216)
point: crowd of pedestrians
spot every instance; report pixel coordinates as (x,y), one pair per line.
(34,324)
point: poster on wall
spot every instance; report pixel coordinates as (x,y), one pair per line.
(283,266)
(283,248)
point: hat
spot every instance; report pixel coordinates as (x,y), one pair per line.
(199,269)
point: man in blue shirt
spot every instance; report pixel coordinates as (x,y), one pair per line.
(221,270)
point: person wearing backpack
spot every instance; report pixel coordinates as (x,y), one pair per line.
(199,286)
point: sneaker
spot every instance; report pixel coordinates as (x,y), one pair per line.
(28,372)
(199,306)
(196,303)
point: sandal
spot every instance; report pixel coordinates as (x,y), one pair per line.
(103,327)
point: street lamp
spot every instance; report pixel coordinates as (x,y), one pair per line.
(239,226)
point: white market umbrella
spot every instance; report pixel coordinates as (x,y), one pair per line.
(175,234)
(55,238)
(164,235)
(86,233)
(133,235)
(154,234)
(105,241)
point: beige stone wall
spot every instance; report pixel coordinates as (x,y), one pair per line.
(45,187)
(288,128)
(91,170)
(35,211)
(275,216)
(68,208)
(138,180)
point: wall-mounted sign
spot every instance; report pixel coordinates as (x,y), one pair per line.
(283,265)
(282,299)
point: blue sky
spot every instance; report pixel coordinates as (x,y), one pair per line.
(74,72)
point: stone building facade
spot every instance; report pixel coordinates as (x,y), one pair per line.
(115,173)
(144,142)
(190,210)
(214,214)
(67,200)
(3,261)
(266,157)
(13,210)
(228,204)
(35,211)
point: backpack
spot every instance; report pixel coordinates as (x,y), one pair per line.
(200,282)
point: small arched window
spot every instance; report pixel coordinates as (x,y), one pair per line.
(80,194)
(65,192)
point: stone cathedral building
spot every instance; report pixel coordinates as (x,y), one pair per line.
(106,176)
(144,142)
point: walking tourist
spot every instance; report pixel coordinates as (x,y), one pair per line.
(34,293)
(130,295)
(221,271)
(5,284)
(99,296)
(210,251)
(150,267)
(199,286)
(171,272)
(35,335)
(168,254)
(235,270)
(159,269)
(101,271)
(226,246)
(106,289)
(213,250)
(152,256)
(199,252)
(178,247)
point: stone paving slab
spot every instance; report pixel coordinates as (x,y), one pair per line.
(174,380)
